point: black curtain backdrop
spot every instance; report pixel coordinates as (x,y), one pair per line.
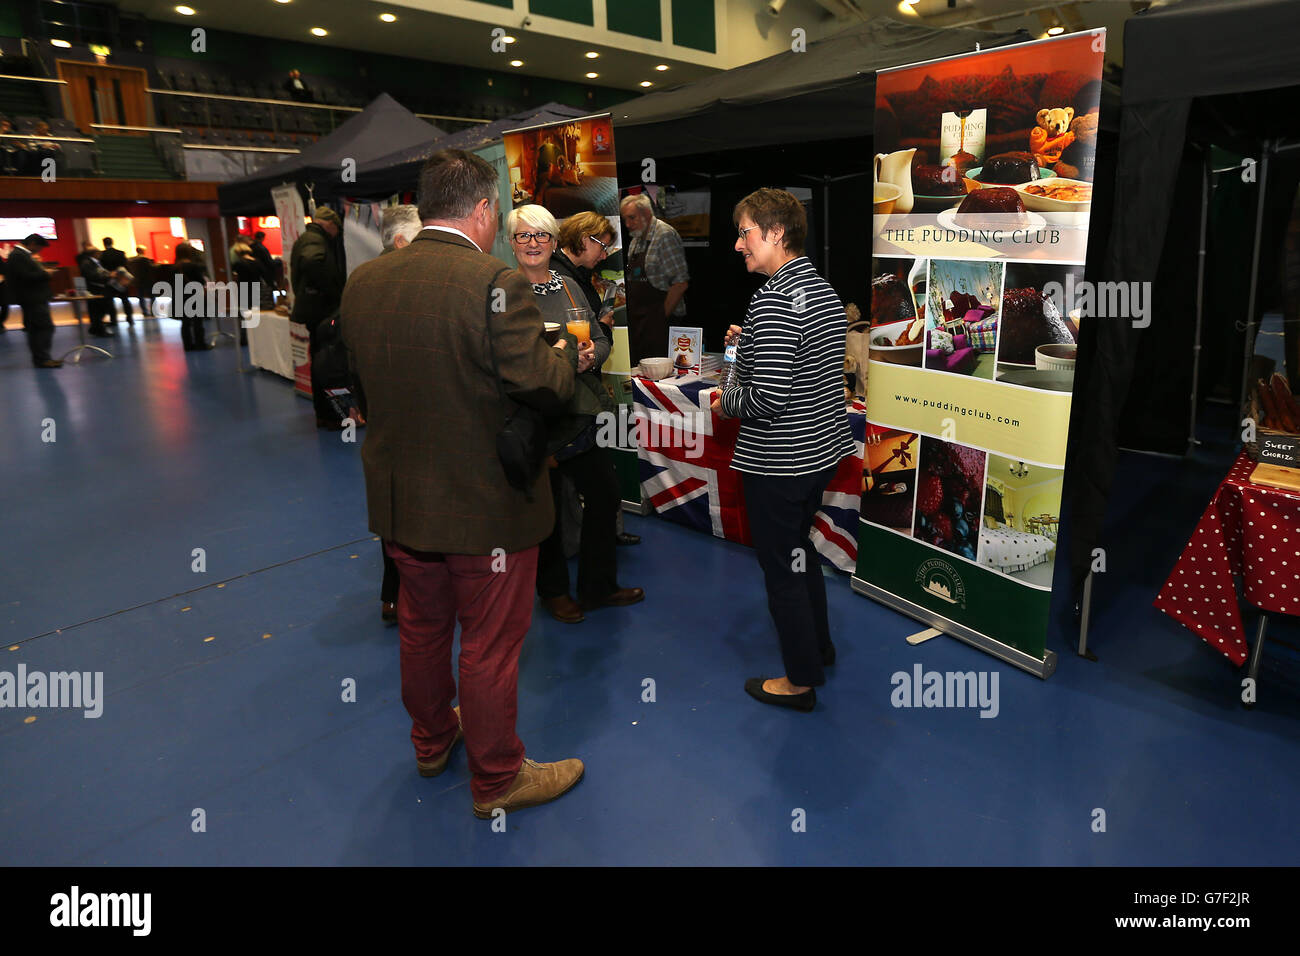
(1197,48)
(720,287)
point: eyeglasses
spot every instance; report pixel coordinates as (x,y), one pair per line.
(525,237)
(603,245)
(743,231)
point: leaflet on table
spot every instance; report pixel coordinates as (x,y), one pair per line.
(982,198)
(686,349)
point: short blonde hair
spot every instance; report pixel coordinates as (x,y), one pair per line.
(536,217)
(240,249)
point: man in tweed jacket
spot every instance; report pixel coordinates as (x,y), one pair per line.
(464,540)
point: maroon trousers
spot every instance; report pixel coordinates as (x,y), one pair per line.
(493,600)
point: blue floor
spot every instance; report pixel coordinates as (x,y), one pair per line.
(223,689)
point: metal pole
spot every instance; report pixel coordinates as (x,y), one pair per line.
(1200,300)
(1257,653)
(826,229)
(1083,622)
(1254,273)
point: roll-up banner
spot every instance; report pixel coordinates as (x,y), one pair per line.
(982,190)
(293,220)
(569,167)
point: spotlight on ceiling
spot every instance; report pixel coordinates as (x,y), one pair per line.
(592,54)
(646,83)
(319,31)
(516,62)
(185,11)
(508,39)
(907,7)
(1055,31)
(388,18)
(592,76)
(61,44)
(661,67)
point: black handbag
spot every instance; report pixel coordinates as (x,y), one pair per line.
(521,442)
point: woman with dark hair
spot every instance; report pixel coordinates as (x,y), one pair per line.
(793,431)
(191,308)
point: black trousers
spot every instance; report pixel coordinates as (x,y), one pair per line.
(96,310)
(127,311)
(592,473)
(388,590)
(192,336)
(781,512)
(40,330)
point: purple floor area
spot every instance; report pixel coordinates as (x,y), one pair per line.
(223,689)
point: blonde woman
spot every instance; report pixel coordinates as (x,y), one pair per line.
(534,235)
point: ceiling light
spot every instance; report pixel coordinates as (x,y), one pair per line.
(185,11)
(281,1)
(516,62)
(661,67)
(1055,31)
(507,39)
(319,31)
(592,76)
(388,18)
(907,8)
(646,83)
(592,54)
(62,44)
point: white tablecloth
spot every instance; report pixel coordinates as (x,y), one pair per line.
(269,345)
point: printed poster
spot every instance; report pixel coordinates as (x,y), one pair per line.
(982,193)
(293,220)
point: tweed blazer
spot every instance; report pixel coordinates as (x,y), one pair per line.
(415,322)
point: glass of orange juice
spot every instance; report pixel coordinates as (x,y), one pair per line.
(578,326)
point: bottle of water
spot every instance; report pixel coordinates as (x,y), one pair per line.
(730,374)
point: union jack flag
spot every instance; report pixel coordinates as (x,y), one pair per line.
(688,478)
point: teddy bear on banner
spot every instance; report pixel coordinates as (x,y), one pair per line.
(1051,136)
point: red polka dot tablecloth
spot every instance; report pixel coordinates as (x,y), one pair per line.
(1248,529)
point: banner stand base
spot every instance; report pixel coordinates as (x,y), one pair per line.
(1005,652)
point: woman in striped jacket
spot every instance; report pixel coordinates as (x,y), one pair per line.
(794,430)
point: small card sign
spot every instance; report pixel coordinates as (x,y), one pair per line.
(686,349)
(1281,450)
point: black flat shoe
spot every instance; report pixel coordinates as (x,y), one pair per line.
(625,538)
(804,702)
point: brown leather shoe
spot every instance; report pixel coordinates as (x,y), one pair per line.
(536,783)
(620,598)
(564,608)
(431,768)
